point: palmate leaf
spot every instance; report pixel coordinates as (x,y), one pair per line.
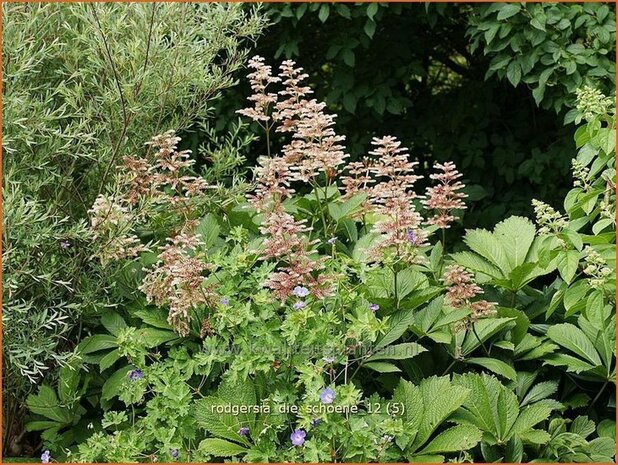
(477,263)
(510,255)
(516,235)
(426,407)
(226,425)
(572,338)
(441,399)
(489,247)
(494,409)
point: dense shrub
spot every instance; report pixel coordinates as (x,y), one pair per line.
(83,86)
(325,317)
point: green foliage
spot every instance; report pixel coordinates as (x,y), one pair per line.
(84,86)
(510,257)
(554,49)
(426,407)
(392,342)
(507,145)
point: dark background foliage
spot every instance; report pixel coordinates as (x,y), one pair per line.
(486,86)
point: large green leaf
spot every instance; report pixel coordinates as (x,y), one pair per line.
(455,439)
(339,210)
(221,447)
(398,324)
(382,367)
(488,246)
(441,399)
(485,329)
(208,411)
(494,409)
(497,366)
(516,235)
(97,342)
(46,403)
(477,263)
(572,338)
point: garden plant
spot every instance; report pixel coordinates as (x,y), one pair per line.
(312,304)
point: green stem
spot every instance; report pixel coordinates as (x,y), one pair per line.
(479,339)
(443,241)
(599,393)
(320,206)
(448,368)
(395,285)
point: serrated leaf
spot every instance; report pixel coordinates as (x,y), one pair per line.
(497,366)
(382,367)
(113,322)
(573,364)
(438,409)
(113,384)
(485,329)
(489,247)
(572,338)
(398,324)
(46,403)
(477,263)
(208,229)
(540,391)
(97,342)
(567,265)
(455,439)
(109,359)
(220,447)
(529,417)
(516,235)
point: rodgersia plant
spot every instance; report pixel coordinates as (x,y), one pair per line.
(319,317)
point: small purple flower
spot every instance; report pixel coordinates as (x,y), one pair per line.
(315,422)
(411,237)
(244,431)
(225,301)
(175,453)
(136,374)
(300,304)
(300,291)
(327,396)
(298,437)
(332,240)
(65,245)
(45,457)
(374,307)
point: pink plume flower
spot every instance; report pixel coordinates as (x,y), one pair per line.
(445,197)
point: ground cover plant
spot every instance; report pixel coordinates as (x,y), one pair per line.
(320,305)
